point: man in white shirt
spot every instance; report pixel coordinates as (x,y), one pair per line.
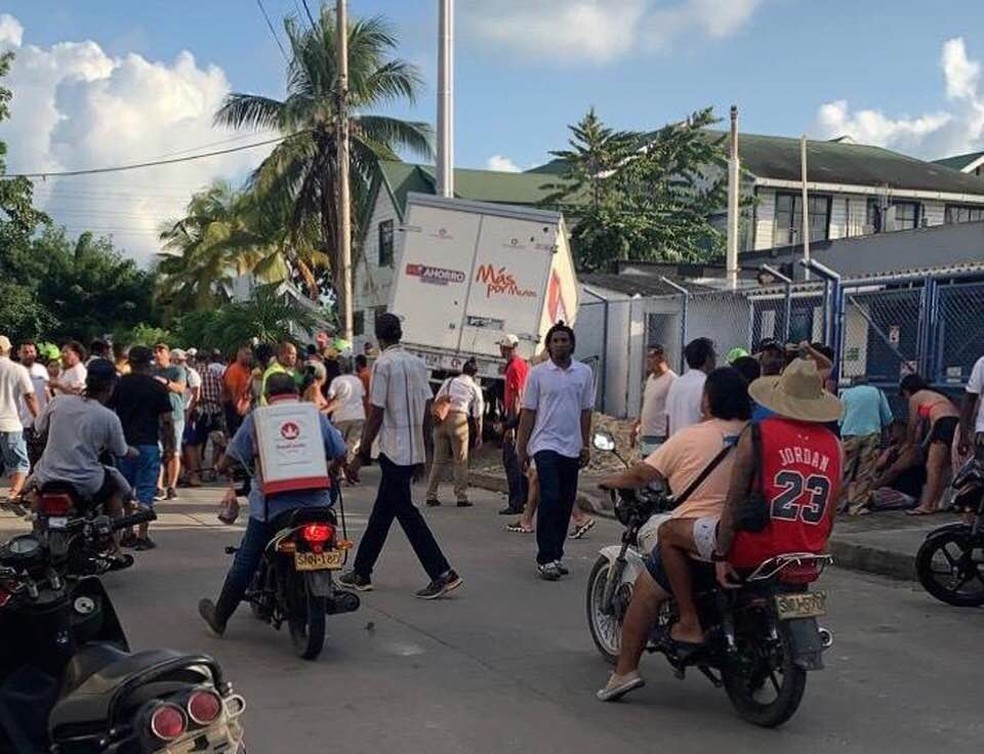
(346,396)
(972,411)
(15,384)
(555,431)
(398,407)
(39,378)
(683,401)
(649,431)
(71,380)
(451,435)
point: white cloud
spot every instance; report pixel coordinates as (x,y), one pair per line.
(77,107)
(502,164)
(954,128)
(11,32)
(599,31)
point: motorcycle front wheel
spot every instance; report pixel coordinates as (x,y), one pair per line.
(950,566)
(305,619)
(606,629)
(763,682)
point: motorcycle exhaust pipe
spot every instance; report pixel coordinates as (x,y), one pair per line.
(826,638)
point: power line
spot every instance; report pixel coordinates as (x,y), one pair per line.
(140,165)
(270,27)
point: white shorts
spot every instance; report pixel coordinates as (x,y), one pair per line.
(705,536)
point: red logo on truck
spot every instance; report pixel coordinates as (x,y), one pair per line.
(555,300)
(500,281)
(435,275)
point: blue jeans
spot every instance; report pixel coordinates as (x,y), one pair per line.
(247,560)
(557,475)
(141,472)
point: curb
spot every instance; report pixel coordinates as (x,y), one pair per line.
(848,554)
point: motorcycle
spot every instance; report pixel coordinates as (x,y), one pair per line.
(76,531)
(293,583)
(69,683)
(761,639)
(950,561)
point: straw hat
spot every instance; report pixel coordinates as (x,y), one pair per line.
(797,394)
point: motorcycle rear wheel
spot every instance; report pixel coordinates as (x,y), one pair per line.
(747,682)
(606,630)
(305,619)
(947,568)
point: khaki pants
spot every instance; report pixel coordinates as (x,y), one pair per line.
(450,447)
(351,431)
(860,457)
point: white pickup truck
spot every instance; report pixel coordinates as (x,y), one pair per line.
(469,273)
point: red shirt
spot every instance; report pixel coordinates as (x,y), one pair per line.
(517,370)
(801,476)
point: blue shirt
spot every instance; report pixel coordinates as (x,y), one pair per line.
(760,413)
(242,448)
(866,411)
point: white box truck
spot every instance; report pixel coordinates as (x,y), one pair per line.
(469,273)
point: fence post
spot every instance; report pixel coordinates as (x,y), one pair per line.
(833,315)
(604,352)
(683,317)
(787,314)
(931,346)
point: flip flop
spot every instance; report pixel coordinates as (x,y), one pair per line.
(920,512)
(519,528)
(581,529)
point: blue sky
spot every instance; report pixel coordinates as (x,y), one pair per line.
(527,68)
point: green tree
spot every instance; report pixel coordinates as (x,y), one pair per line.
(299,176)
(642,196)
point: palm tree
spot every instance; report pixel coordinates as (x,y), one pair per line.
(299,175)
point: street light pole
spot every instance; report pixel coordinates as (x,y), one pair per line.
(445,99)
(342,168)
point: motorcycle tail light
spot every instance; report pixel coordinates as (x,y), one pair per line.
(55,504)
(168,722)
(317,533)
(204,707)
(805,573)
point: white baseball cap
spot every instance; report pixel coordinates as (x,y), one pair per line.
(509,341)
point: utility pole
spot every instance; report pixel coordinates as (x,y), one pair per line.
(806,210)
(445,99)
(342,168)
(734,203)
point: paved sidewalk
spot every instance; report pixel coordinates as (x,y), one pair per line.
(882,543)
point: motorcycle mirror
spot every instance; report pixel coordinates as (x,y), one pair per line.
(603,441)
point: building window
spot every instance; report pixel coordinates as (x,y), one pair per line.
(961,213)
(789,218)
(907,215)
(359,322)
(386,243)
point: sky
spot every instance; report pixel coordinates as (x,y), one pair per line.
(105,82)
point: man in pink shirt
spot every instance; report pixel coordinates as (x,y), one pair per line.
(517,370)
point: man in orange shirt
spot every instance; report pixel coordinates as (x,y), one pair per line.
(235,385)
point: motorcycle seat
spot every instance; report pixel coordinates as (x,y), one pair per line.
(299,516)
(95,674)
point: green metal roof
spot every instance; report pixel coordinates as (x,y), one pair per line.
(843,162)
(524,189)
(960,161)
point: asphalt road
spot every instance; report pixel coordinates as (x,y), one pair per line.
(506,663)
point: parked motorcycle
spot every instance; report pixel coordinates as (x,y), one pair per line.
(950,561)
(293,583)
(761,639)
(77,532)
(69,683)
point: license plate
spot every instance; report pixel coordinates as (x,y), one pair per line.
(319,561)
(807,605)
(57,523)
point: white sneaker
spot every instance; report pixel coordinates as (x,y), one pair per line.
(620,685)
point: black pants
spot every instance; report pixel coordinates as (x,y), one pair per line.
(393,500)
(557,476)
(518,484)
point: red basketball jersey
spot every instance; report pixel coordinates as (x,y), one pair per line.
(800,468)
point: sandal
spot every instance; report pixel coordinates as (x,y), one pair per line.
(583,528)
(519,528)
(920,512)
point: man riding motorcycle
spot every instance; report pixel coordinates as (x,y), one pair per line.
(80,429)
(280,388)
(680,461)
(795,462)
